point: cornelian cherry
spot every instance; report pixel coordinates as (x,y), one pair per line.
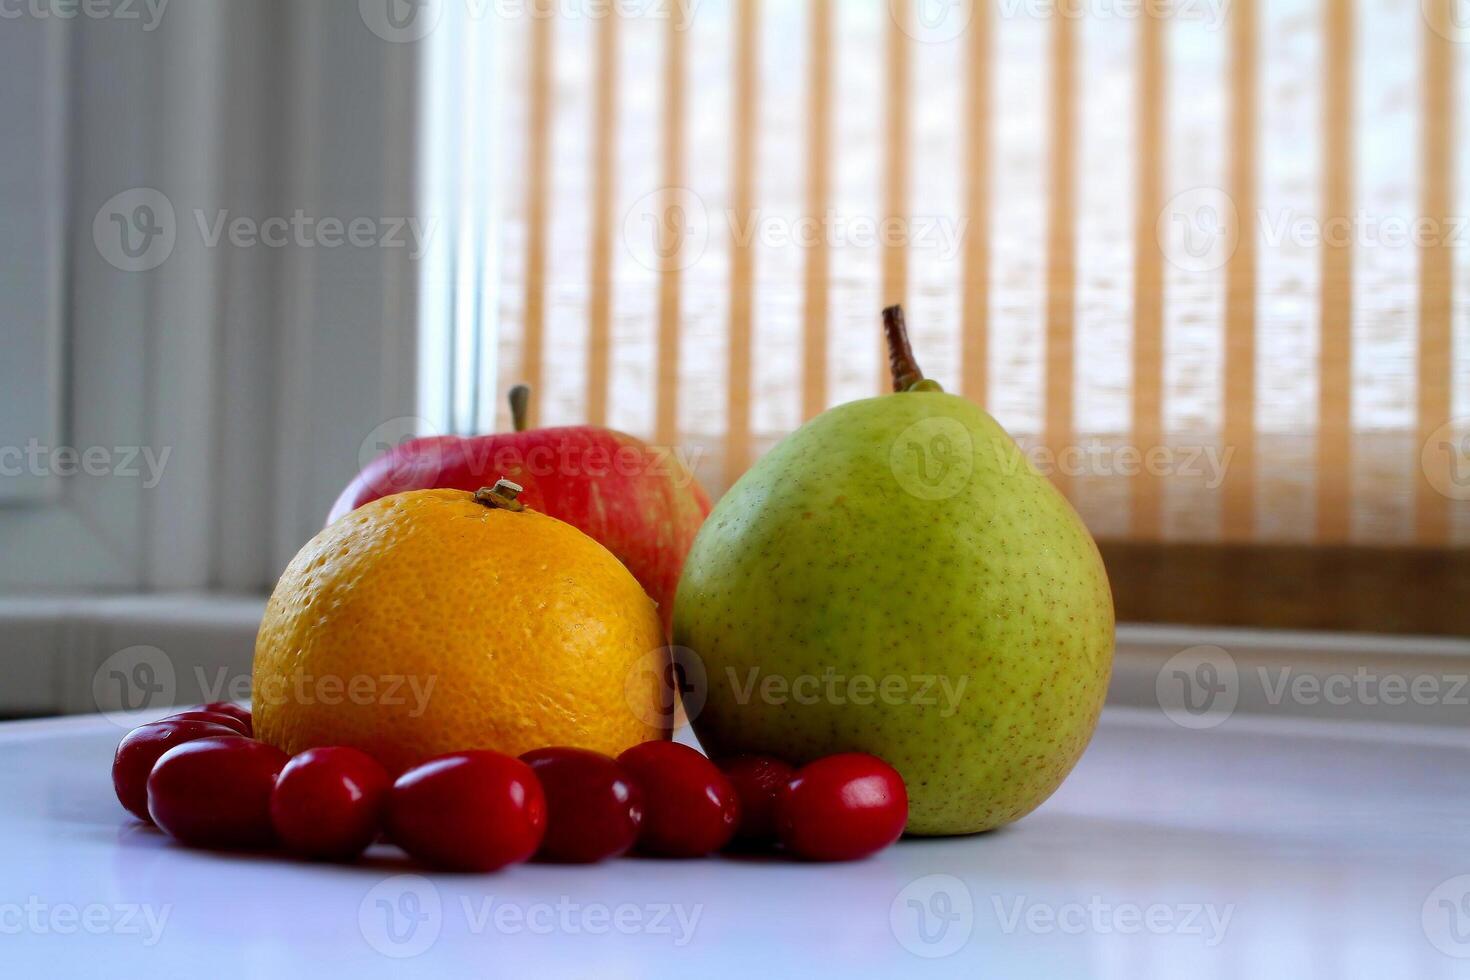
(758,780)
(689,807)
(328,802)
(842,808)
(140,749)
(468,811)
(231,722)
(234,711)
(593,809)
(216,792)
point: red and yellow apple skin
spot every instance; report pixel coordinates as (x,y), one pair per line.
(641,503)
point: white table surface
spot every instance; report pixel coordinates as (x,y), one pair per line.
(1258,849)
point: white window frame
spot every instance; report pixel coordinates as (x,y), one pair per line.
(263,373)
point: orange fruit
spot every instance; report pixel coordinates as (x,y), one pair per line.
(439,620)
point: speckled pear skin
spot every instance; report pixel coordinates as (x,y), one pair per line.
(904,536)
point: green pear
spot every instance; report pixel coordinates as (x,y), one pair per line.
(895,577)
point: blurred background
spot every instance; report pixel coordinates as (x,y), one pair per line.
(1205,259)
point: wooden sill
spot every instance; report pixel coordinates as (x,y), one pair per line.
(1360,589)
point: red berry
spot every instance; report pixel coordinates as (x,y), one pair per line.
(468,811)
(140,749)
(593,809)
(216,717)
(842,808)
(758,780)
(328,803)
(216,792)
(234,711)
(689,807)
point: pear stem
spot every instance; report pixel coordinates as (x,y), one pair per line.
(520,406)
(901,360)
(502,495)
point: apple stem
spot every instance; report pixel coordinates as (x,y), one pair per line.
(520,406)
(503,495)
(901,361)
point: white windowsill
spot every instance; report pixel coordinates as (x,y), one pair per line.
(51,646)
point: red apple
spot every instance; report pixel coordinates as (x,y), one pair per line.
(640,502)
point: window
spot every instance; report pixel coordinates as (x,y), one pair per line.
(178,411)
(1201,259)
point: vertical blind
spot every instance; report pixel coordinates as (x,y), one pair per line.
(1206,261)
